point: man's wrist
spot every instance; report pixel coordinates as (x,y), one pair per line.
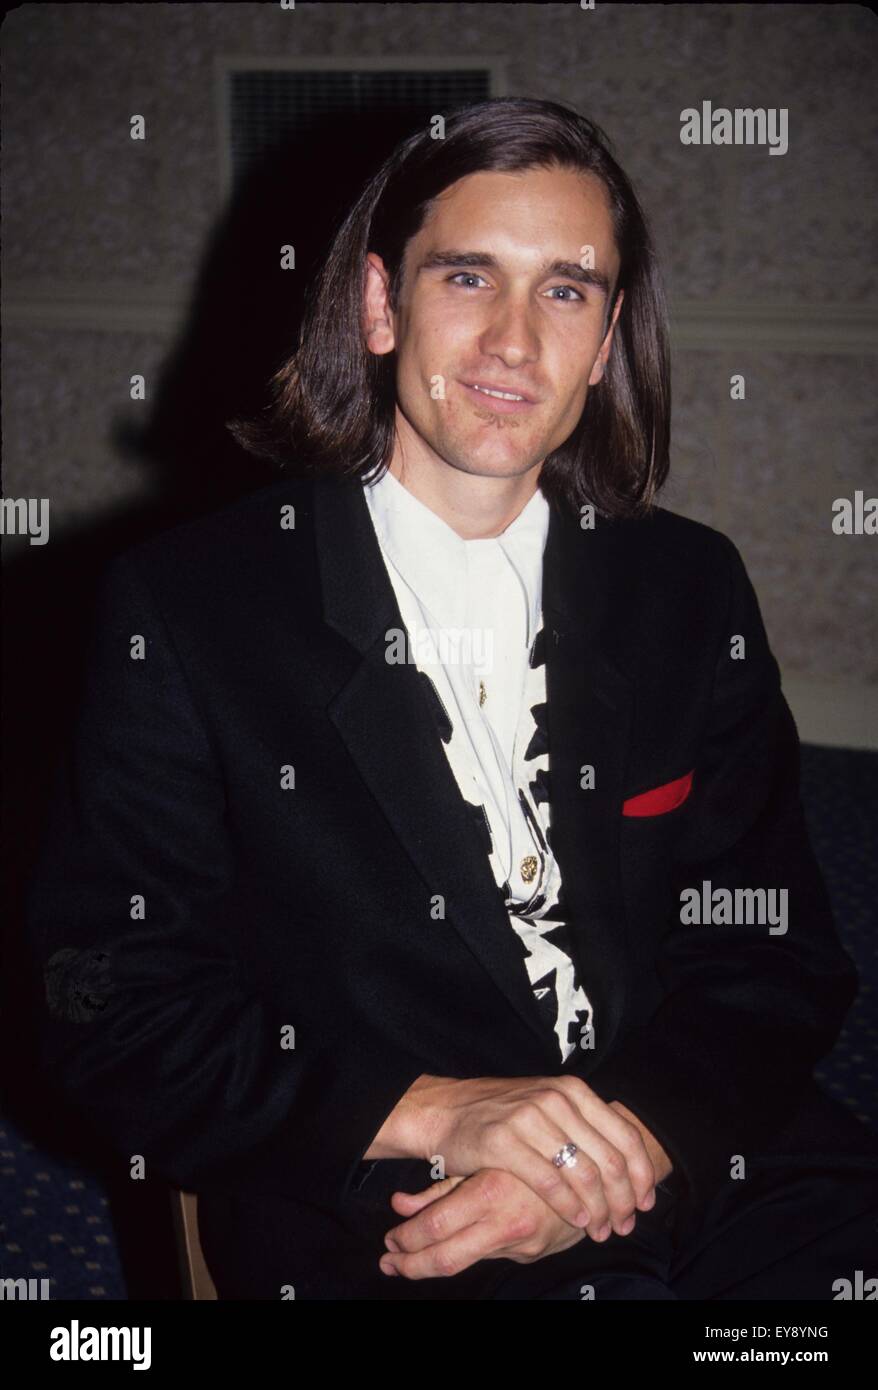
(412,1128)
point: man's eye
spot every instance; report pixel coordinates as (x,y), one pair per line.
(470,275)
(568,288)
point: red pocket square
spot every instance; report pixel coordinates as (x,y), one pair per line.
(660,799)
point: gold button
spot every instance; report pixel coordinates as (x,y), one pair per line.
(528,868)
(483,694)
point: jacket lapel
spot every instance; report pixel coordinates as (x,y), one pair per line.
(382,713)
(589,710)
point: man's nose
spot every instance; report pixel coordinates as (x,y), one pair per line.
(511,333)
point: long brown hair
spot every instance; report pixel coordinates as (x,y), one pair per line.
(333,407)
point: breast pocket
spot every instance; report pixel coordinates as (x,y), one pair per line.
(660,800)
(652,822)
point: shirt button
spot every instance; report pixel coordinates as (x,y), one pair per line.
(483,694)
(528,868)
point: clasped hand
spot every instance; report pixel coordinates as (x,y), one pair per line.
(526,1208)
(457,1221)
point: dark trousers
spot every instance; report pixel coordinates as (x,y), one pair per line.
(805,1216)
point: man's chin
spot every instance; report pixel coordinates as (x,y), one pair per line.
(507,466)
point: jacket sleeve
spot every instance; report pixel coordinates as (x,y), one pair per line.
(747,1010)
(146,1025)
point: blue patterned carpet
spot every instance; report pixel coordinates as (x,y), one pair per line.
(840,793)
(79,1221)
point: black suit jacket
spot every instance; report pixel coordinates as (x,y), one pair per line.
(269,907)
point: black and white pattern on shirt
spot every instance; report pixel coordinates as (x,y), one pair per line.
(539,921)
(542,921)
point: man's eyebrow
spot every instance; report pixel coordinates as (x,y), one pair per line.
(484,260)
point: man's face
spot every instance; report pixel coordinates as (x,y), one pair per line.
(502,318)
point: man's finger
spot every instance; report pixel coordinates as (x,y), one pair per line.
(610,1141)
(408,1203)
(618,1130)
(450,1256)
(474,1200)
(570,1192)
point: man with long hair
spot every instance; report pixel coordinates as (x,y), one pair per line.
(428,887)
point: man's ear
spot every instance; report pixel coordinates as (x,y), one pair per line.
(600,361)
(377,315)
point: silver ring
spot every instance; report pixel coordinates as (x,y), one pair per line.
(566,1157)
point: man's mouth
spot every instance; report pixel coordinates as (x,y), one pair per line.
(497,399)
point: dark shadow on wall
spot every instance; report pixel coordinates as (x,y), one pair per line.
(243,322)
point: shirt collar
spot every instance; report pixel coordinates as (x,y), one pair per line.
(434,560)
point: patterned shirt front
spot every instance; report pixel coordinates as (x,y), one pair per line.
(473,613)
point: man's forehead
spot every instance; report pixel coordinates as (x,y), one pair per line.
(484,187)
(573,212)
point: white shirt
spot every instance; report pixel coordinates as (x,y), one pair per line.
(473,612)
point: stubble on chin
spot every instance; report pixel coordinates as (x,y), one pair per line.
(501,421)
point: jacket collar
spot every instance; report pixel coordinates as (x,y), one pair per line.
(576,576)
